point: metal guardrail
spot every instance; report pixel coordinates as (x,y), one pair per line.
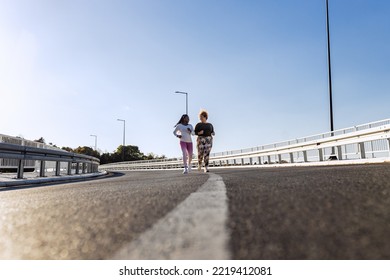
(370,140)
(25,153)
(11,164)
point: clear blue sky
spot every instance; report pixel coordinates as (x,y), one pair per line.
(71,68)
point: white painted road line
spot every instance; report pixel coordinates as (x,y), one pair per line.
(195,229)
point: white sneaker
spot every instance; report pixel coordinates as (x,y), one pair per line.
(199,167)
(206,170)
(189,169)
(185,171)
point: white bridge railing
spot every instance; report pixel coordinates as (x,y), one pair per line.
(365,141)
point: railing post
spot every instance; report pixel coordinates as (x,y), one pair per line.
(77,168)
(83,171)
(269,159)
(259,158)
(321,154)
(242,161)
(362,150)
(42,169)
(388,142)
(291,158)
(20,169)
(250,161)
(69,168)
(339,153)
(280,158)
(304,156)
(58,168)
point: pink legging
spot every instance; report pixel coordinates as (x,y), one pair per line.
(187,150)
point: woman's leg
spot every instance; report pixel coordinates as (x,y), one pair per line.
(183,147)
(200,148)
(207,149)
(190,154)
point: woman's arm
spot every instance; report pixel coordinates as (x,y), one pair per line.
(196,129)
(175,132)
(212,130)
(191,130)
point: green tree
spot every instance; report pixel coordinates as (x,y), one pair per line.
(131,153)
(54,145)
(68,149)
(149,156)
(87,151)
(106,158)
(40,140)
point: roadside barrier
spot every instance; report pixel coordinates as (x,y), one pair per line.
(367,141)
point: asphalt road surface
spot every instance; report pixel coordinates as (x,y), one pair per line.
(340,212)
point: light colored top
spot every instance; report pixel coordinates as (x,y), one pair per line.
(183,131)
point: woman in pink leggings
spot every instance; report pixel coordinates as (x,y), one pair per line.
(184,130)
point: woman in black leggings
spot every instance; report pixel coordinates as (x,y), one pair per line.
(205,132)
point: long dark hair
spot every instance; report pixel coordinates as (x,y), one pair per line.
(182,119)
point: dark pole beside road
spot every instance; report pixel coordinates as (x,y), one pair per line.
(333,156)
(329,69)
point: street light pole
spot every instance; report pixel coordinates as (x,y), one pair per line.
(332,156)
(124,138)
(95,141)
(329,70)
(186,93)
